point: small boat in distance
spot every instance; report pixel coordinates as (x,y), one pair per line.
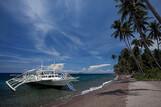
(45,75)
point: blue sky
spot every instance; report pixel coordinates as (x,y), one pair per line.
(74,32)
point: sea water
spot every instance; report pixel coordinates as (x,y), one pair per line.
(37,95)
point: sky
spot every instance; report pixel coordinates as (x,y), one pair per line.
(74,32)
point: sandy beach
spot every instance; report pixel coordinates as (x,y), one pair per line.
(144,94)
(119,94)
(104,97)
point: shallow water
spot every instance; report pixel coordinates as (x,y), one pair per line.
(36,95)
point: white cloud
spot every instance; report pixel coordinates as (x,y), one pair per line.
(96,54)
(57,67)
(99,68)
(14,61)
(73,38)
(38,14)
(43,16)
(75,7)
(94,67)
(44,22)
(18,58)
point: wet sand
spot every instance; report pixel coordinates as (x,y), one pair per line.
(108,96)
(118,94)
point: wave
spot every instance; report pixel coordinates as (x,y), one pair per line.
(95,88)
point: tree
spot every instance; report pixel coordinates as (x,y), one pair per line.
(146,42)
(135,12)
(140,43)
(155,13)
(124,32)
(113,56)
(136,51)
(126,63)
(147,60)
(136,42)
(155,32)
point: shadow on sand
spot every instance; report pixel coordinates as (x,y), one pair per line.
(125,81)
(120,92)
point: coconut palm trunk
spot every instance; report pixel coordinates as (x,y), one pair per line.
(158,43)
(124,31)
(135,12)
(127,43)
(145,44)
(153,10)
(135,59)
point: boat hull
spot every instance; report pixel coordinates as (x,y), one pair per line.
(54,83)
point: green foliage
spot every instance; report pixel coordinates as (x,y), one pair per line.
(127,65)
(113,56)
(149,74)
(155,32)
(134,19)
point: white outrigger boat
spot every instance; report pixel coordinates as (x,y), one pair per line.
(45,75)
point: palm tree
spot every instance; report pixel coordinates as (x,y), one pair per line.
(136,42)
(113,56)
(142,43)
(155,32)
(137,51)
(124,31)
(146,42)
(135,12)
(152,9)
